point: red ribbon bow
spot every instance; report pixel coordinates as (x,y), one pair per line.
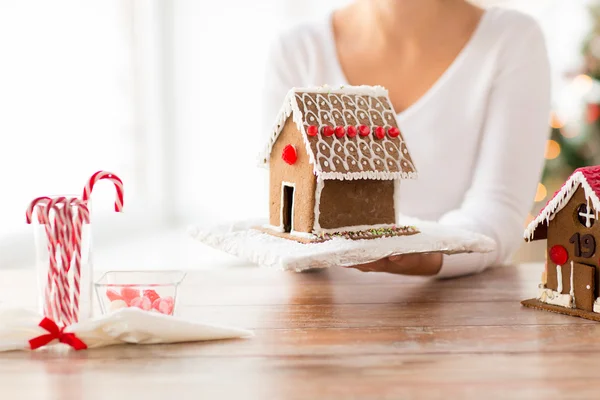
(56,333)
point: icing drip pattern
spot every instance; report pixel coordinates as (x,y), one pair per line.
(588,178)
(359,155)
(320,112)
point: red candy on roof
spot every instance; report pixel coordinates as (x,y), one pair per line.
(351,131)
(327,131)
(364,130)
(393,131)
(379,132)
(312,130)
(340,131)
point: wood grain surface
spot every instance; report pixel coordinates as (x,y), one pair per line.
(332,334)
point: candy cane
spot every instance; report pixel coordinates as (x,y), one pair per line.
(34,203)
(87,190)
(40,204)
(83,216)
(53,231)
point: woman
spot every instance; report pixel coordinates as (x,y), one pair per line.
(472,89)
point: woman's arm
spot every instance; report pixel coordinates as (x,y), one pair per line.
(511,157)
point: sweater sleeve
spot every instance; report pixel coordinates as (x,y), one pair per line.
(511,156)
(285,68)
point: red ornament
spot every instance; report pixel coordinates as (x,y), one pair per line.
(393,131)
(351,131)
(340,131)
(327,131)
(312,130)
(380,132)
(364,130)
(558,254)
(289,154)
(593,112)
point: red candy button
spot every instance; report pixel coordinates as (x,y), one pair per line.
(289,154)
(393,131)
(558,255)
(312,130)
(364,130)
(340,131)
(380,132)
(328,131)
(351,131)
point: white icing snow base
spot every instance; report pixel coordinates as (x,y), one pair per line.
(270,251)
(550,296)
(597,305)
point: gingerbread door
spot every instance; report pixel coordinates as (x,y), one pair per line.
(583,286)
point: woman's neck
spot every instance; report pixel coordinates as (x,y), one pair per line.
(385,21)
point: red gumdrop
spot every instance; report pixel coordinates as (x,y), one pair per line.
(169,299)
(340,131)
(380,132)
(113,295)
(141,302)
(151,294)
(289,154)
(364,130)
(327,131)
(129,293)
(312,130)
(559,255)
(156,303)
(393,131)
(351,131)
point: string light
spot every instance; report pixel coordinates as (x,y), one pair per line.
(541,192)
(552,150)
(555,121)
(582,83)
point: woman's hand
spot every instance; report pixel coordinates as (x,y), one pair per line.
(423,264)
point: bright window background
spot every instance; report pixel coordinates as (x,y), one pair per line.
(166,94)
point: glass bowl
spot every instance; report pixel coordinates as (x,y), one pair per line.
(154,291)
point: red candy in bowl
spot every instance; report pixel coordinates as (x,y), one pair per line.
(154,291)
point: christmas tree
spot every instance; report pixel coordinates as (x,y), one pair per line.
(575,142)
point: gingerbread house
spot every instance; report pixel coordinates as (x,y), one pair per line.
(571,280)
(335,156)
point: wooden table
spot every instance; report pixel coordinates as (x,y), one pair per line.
(333,334)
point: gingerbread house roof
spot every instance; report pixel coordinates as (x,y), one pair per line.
(588,178)
(349,133)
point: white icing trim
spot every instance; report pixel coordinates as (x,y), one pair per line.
(375,175)
(283,186)
(318,190)
(355,228)
(274,228)
(597,305)
(571,290)
(560,200)
(549,296)
(559,285)
(302,234)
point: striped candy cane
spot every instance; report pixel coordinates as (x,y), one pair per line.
(82,216)
(54,232)
(87,190)
(40,204)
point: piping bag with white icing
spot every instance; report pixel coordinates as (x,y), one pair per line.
(22,329)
